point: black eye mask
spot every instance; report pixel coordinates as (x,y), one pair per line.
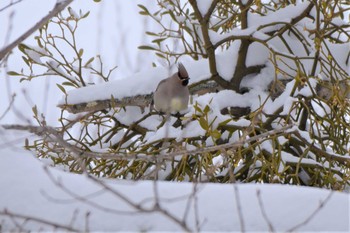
(184,82)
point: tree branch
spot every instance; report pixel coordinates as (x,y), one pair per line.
(10,4)
(141,101)
(57,137)
(210,49)
(59,6)
(323,91)
(292,22)
(38,220)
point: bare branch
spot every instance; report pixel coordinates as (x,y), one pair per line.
(59,6)
(155,208)
(12,3)
(9,107)
(56,136)
(210,49)
(263,211)
(313,214)
(239,208)
(27,218)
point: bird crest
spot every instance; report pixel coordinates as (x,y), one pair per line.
(182,72)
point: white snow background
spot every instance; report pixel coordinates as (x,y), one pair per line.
(31,188)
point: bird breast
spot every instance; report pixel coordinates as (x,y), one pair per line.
(171,96)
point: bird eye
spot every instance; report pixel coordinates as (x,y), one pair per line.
(185,82)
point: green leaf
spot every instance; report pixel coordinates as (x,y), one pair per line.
(197,108)
(81,51)
(203,123)
(151,34)
(172,16)
(13,73)
(112,102)
(160,55)
(61,88)
(158,40)
(68,84)
(225,122)
(23,47)
(156,13)
(35,110)
(215,134)
(142,7)
(145,47)
(39,42)
(144,10)
(206,109)
(85,15)
(97,0)
(25,60)
(26,144)
(89,61)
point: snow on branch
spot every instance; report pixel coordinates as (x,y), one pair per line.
(278,21)
(141,101)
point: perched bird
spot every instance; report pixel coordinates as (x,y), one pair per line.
(172,93)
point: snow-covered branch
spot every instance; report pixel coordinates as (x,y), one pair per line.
(142,101)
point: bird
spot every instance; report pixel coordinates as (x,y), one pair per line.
(172,94)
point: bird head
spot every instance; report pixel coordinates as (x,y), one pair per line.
(182,73)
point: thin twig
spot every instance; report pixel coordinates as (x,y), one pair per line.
(263,211)
(81,198)
(239,208)
(27,218)
(8,107)
(59,6)
(156,208)
(57,137)
(10,4)
(313,214)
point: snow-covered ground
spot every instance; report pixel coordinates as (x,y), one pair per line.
(29,188)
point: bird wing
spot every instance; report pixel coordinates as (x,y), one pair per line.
(160,83)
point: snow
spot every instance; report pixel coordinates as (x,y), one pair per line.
(203,6)
(226,61)
(141,83)
(41,195)
(73,13)
(257,54)
(263,24)
(35,53)
(283,15)
(289,158)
